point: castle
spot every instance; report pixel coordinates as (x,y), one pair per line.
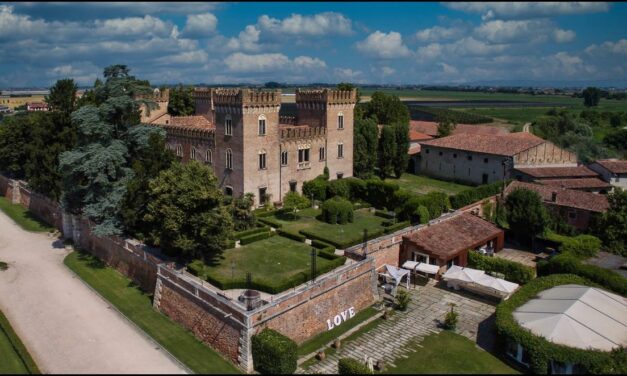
(252,148)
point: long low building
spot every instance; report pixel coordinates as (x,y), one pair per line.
(482,159)
(613,171)
(580,178)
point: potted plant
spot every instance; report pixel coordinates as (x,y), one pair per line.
(450,320)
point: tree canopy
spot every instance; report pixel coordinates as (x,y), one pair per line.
(181,101)
(591,96)
(365,140)
(446,126)
(386,109)
(526,214)
(387,151)
(401,158)
(62,97)
(611,226)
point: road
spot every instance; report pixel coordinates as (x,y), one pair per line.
(65,325)
(526,127)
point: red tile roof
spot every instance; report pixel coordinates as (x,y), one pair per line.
(431,128)
(564,197)
(615,166)
(418,136)
(195,121)
(581,183)
(453,235)
(413,150)
(558,172)
(507,145)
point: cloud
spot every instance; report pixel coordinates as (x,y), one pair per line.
(306,62)
(15,24)
(347,74)
(269,62)
(448,69)
(384,46)
(465,47)
(387,71)
(439,33)
(522,10)
(200,25)
(499,31)
(248,40)
(107,9)
(563,36)
(327,23)
(132,26)
(608,48)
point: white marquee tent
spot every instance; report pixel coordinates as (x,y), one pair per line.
(421,267)
(477,281)
(396,274)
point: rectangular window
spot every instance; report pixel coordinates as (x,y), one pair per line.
(293,186)
(262,161)
(340,122)
(262,127)
(303,155)
(283,158)
(228,127)
(263,197)
(470,157)
(340,150)
(322,154)
(485,160)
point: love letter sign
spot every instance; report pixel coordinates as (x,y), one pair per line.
(341,317)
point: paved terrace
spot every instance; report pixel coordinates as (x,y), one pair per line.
(389,340)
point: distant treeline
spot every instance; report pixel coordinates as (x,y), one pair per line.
(438,114)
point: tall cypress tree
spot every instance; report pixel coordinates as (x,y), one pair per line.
(401,158)
(387,151)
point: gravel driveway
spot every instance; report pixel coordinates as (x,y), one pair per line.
(66,326)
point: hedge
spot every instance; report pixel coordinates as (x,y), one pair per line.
(421,215)
(255,237)
(542,351)
(566,263)
(342,244)
(337,210)
(357,188)
(350,366)
(270,222)
(339,187)
(384,214)
(261,213)
(291,235)
(316,187)
(18,346)
(396,227)
(472,195)
(320,244)
(581,246)
(257,230)
(379,193)
(273,353)
(436,203)
(513,271)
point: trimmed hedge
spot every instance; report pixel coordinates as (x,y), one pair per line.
(379,193)
(472,195)
(291,235)
(261,213)
(273,353)
(566,263)
(316,187)
(421,215)
(339,187)
(270,222)
(255,237)
(384,214)
(350,366)
(342,244)
(337,210)
(18,346)
(396,227)
(320,244)
(436,203)
(240,234)
(581,246)
(542,351)
(513,271)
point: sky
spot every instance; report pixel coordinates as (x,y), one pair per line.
(367,43)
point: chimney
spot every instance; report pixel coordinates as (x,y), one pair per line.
(554,196)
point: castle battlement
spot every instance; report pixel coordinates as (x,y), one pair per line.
(156,96)
(246,97)
(329,96)
(302,132)
(202,93)
(288,120)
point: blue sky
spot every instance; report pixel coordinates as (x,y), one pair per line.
(382,43)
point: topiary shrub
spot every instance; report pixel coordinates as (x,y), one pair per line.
(350,366)
(337,210)
(316,188)
(295,201)
(273,353)
(339,187)
(357,188)
(380,193)
(402,300)
(421,215)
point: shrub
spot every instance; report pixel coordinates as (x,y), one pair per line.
(342,244)
(581,246)
(513,271)
(319,244)
(294,200)
(350,366)
(567,263)
(450,320)
(436,203)
(357,188)
(270,222)
(196,267)
(396,227)
(384,214)
(472,195)
(337,210)
(273,353)
(338,187)
(291,235)
(255,237)
(421,215)
(316,187)
(240,234)
(402,300)
(380,193)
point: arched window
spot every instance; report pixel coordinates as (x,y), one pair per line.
(193,153)
(208,157)
(228,125)
(229,159)
(262,125)
(262,160)
(179,150)
(284,158)
(340,121)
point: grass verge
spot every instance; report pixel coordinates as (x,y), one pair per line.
(14,358)
(422,185)
(137,306)
(23,217)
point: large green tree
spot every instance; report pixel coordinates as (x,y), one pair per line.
(15,135)
(96,171)
(387,151)
(365,140)
(386,109)
(181,101)
(446,126)
(186,212)
(611,226)
(526,214)
(591,96)
(401,158)
(62,97)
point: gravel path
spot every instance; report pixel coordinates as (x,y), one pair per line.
(65,325)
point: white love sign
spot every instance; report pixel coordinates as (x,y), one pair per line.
(341,317)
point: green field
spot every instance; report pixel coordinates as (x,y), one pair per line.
(23,217)
(137,306)
(273,262)
(520,115)
(346,233)
(14,358)
(421,184)
(448,352)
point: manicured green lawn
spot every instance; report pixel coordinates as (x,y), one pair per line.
(137,306)
(351,233)
(272,262)
(14,358)
(448,352)
(23,217)
(421,184)
(323,338)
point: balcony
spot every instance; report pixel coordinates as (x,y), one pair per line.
(303,165)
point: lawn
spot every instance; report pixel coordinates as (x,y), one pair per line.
(448,352)
(276,264)
(421,184)
(349,233)
(23,217)
(14,358)
(137,306)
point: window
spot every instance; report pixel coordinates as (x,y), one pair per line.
(228,126)
(284,158)
(292,186)
(179,151)
(484,179)
(572,214)
(426,151)
(321,151)
(340,175)
(228,190)
(340,150)
(485,160)
(340,121)
(470,157)
(262,160)
(208,157)
(229,159)
(263,197)
(193,153)
(440,154)
(454,155)
(262,125)
(303,155)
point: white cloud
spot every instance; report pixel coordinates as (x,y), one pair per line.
(563,36)
(240,62)
(189,57)
(347,73)
(15,24)
(448,69)
(521,10)
(306,62)
(387,71)
(429,52)
(200,24)
(439,33)
(499,31)
(248,40)
(145,26)
(130,7)
(385,46)
(608,47)
(327,23)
